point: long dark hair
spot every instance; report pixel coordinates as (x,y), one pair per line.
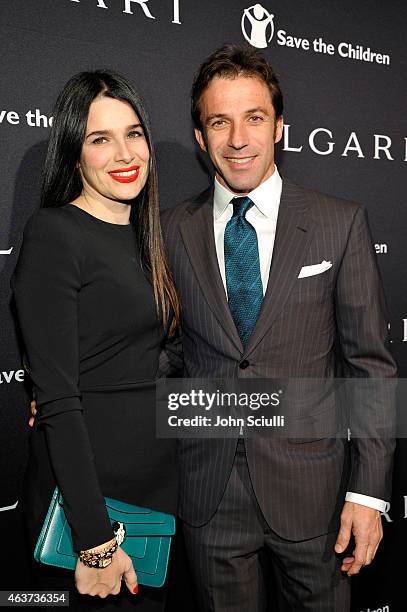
(62,182)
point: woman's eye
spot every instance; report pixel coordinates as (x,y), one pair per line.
(99,140)
(135,134)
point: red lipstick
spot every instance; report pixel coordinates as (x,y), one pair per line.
(125,175)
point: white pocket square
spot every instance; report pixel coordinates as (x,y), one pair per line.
(315,269)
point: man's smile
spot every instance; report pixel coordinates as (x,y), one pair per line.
(240,160)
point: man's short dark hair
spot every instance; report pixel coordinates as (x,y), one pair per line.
(230,62)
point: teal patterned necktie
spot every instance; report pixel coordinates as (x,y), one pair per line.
(242,269)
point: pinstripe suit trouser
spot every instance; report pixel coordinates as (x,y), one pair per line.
(231,557)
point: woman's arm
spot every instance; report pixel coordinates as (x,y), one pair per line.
(171,362)
(46,285)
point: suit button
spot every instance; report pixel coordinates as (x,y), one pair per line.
(244,364)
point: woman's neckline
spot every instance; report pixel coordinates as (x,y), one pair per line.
(108,223)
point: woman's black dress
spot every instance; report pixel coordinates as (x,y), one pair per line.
(92,339)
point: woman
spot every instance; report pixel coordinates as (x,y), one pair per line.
(94,297)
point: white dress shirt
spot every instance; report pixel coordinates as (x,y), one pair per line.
(263,217)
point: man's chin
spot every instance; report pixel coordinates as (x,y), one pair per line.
(240,188)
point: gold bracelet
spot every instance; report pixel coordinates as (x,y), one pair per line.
(101,558)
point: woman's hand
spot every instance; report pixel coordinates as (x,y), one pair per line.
(33,408)
(106,581)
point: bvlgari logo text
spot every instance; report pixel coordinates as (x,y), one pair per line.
(321,142)
(257,26)
(130,7)
(387,516)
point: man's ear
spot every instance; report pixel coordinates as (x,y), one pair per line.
(200,139)
(279,129)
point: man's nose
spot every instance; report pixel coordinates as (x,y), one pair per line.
(238,136)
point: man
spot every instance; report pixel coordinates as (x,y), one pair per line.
(241,254)
(238,499)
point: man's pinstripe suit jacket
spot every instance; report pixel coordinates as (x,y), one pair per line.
(310,327)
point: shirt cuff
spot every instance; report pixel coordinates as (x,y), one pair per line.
(366,500)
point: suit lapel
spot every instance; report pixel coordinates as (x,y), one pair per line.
(198,237)
(293,234)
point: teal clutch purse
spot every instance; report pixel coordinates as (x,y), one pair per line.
(147,538)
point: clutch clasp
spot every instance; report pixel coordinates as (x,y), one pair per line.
(119,530)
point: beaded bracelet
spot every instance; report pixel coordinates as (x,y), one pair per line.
(99,559)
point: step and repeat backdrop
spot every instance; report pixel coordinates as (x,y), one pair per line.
(342,70)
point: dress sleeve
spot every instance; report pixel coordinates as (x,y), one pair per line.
(171,362)
(46,283)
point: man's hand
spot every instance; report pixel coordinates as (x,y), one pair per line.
(366,526)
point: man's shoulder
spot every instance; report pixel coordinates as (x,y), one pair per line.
(320,203)
(176,214)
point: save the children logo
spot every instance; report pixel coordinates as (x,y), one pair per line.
(257,26)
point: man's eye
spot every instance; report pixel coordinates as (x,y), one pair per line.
(256,119)
(218,123)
